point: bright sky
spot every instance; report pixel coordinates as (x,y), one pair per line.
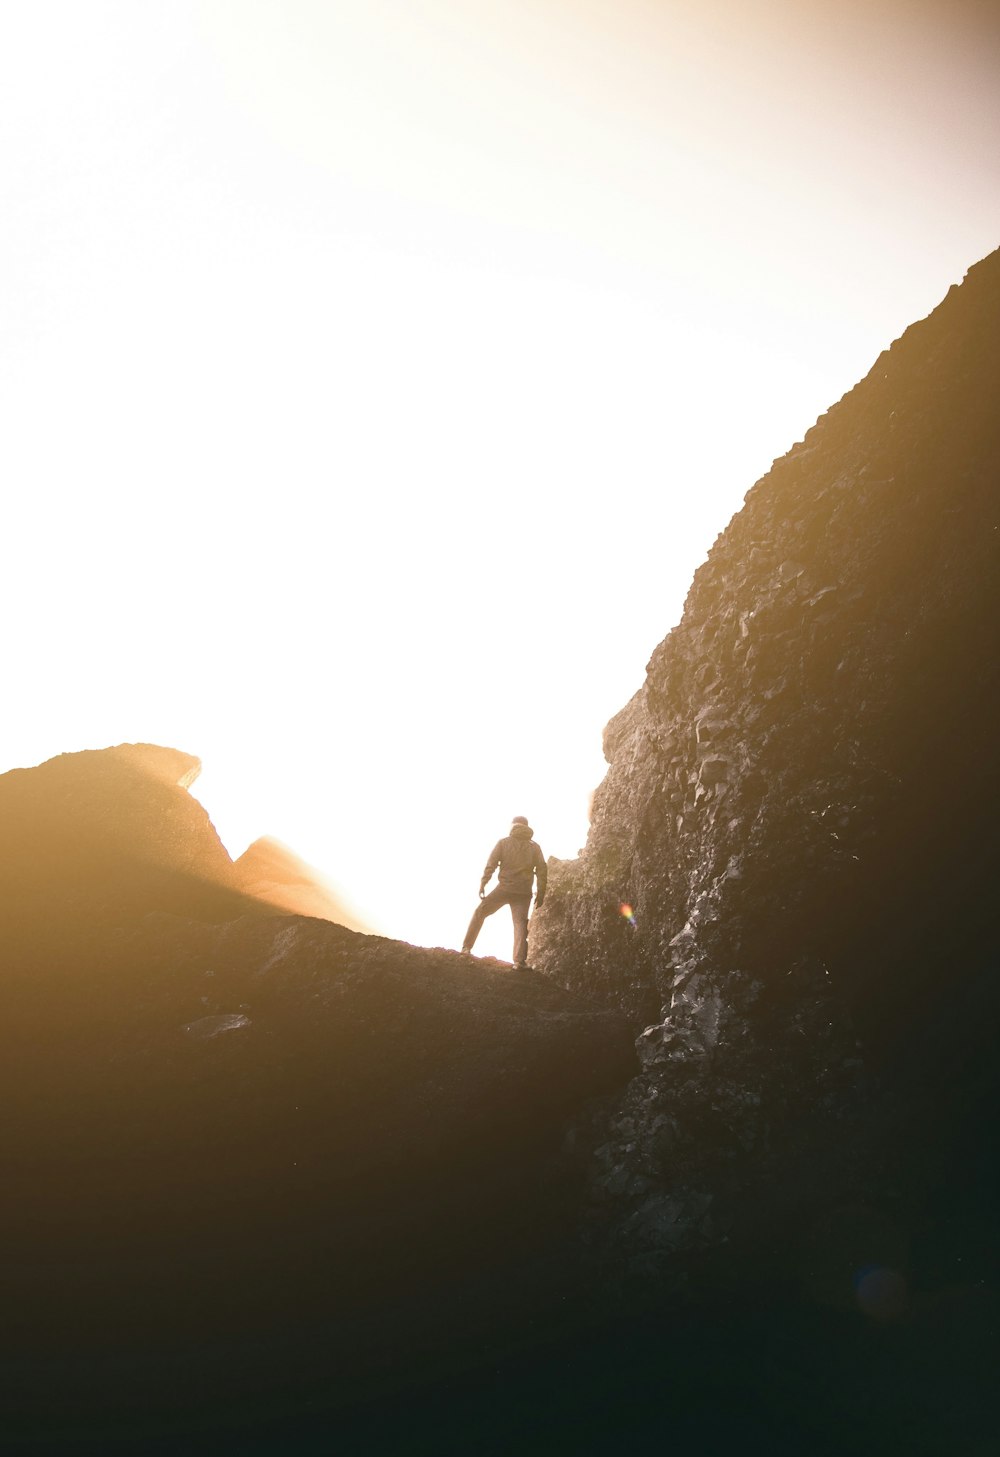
(376,373)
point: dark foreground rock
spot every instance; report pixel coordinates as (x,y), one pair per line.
(256,1163)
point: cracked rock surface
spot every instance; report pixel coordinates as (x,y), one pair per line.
(800,809)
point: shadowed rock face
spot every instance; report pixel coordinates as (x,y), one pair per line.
(250,1156)
(801,808)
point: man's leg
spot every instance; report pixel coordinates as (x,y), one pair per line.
(493,902)
(519,905)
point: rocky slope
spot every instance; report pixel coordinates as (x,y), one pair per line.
(253,1162)
(800,812)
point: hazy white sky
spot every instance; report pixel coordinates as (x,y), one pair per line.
(375,375)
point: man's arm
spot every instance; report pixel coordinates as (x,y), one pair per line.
(491,865)
(541,876)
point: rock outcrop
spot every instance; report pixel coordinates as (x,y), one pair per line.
(271,872)
(252,1160)
(788,880)
(732,1185)
(91,838)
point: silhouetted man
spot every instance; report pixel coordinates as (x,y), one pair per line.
(520,861)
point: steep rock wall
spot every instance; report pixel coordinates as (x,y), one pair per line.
(800,810)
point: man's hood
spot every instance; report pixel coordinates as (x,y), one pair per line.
(522,832)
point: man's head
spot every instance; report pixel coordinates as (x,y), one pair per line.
(519,826)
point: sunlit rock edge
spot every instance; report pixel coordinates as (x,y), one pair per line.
(800,810)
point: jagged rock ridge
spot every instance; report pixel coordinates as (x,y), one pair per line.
(800,808)
(114,832)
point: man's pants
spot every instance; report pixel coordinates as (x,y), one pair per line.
(519,903)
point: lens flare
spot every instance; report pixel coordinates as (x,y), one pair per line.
(629,914)
(881,1293)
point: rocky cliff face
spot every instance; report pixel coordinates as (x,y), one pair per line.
(800,813)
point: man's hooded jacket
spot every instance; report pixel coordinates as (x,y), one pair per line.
(519,860)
